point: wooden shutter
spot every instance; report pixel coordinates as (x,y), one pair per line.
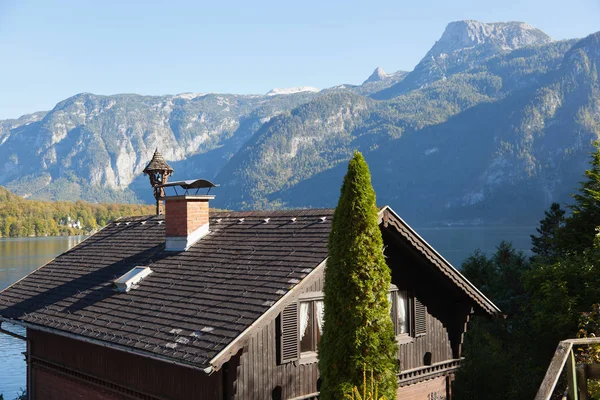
(420,318)
(289,347)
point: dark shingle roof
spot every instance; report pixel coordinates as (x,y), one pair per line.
(194,303)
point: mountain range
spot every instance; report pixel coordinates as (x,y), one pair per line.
(493,124)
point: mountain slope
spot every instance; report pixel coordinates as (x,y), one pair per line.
(93,147)
(464,149)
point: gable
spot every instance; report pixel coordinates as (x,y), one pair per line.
(437,269)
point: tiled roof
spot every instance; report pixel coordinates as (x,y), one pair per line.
(194,303)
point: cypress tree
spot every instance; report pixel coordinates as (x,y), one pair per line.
(358,329)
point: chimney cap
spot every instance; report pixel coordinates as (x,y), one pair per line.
(190,184)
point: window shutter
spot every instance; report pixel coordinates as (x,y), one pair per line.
(289,334)
(420,318)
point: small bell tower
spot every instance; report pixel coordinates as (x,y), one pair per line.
(159,172)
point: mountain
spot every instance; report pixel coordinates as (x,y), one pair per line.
(94,147)
(377,75)
(494,124)
(495,143)
(464,45)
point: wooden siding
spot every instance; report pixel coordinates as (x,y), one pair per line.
(435,341)
(260,377)
(54,386)
(259,374)
(119,369)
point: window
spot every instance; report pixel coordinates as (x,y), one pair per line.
(300,327)
(409,315)
(311,325)
(400,311)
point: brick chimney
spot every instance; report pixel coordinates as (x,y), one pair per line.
(186,220)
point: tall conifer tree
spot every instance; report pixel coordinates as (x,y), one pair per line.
(545,245)
(580,229)
(358,329)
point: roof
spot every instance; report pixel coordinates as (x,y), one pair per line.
(158,163)
(388,217)
(196,305)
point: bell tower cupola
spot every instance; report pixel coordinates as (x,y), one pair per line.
(159,172)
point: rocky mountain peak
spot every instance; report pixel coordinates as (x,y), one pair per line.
(502,35)
(463,45)
(377,75)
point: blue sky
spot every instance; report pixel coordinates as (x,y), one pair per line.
(52,50)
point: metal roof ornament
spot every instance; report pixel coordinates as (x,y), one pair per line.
(159,171)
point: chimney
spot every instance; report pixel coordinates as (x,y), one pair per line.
(186,220)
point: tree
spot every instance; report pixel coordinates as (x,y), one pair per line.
(358,329)
(545,246)
(580,229)
(497,363)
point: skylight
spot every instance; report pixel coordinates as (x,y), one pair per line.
(131,279)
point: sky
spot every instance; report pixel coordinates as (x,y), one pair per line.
(52,49)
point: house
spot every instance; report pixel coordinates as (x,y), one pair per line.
(223,305)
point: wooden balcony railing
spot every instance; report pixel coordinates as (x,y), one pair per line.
(412,375)
(428,371)
(577,375)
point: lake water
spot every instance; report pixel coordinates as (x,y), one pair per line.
(18,257)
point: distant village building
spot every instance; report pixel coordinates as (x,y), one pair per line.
(223,305)
(68,222)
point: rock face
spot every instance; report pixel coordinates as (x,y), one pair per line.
(506,36)
(464,45)
(377,75)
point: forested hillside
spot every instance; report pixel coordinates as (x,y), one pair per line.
(553,296)
(20,217)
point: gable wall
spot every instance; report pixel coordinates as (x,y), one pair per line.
(259,374)
(435,341)
(447,307)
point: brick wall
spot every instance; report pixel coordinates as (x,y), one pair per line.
(184,215)
(433,389)
(54,386)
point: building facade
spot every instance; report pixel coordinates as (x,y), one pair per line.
(223,305)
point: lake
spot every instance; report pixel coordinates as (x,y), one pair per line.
(18,257)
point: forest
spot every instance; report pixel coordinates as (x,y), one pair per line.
(20,217)
(549,297)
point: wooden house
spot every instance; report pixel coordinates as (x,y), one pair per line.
(223,305)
